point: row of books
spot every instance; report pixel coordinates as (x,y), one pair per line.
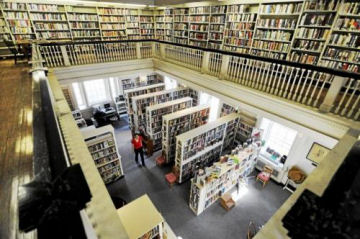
(112,11)
(269,54)
(43,7)
(48,16)
(217,28)
(341,65)
(86,33)
(239,34)
(82,17)
(308,45)
(17,15)
(112,19)
(198,36)
(199,10)
(347,40)
(199,27)
(274,35)
(181,18)
(271,46)
(350,24)
(277,23)
(14,5)
(246,17)
(84,25)
(350,7)
(281,8)
(200,19)
(237,42)
(313,33)
(217,19)
(342,54)
(114,34)
(329,5)
(317,19)
(238,8)
(240,26)
(216,36)
(51,26)
(53,35)
(118,26)
(181,11)
(181,26)
(303,58)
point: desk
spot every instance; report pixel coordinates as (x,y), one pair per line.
(279,168)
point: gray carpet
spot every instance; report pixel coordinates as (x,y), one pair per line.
(257,205)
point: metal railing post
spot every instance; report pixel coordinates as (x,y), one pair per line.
(138,50)
(224,67)
(334,90)
(205,62)
(65,55)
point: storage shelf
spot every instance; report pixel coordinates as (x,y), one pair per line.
(309,39)
(273,40)
(348,62)
(275,28)
(344,47)
(259,49)
(308,51)
(313,26)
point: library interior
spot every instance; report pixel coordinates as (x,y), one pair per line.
(182,119)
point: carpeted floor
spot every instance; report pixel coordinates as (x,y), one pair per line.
(257,205)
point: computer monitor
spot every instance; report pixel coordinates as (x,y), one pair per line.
(107,105)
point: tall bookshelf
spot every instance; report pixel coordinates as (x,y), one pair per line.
(342,50)
(217,26)
(147,28)
(168,25)
(199,19)
(112,23)
(275,29)
(203,145)
(159,24)
(181,25)
(139,103)
(313,30)
(131,93)
(239,27)
(102,146)
(245,129)
(84,23)
(226,109)
(5,35)
(178,123)
(210,183)
(132,24)
(17,17)
(50,21)
(140,81)
(154,118)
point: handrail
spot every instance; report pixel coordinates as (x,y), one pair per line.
(332,71)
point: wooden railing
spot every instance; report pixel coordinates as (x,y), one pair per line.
(325,89)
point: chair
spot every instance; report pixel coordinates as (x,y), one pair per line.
(160,161)
(172,177)
(265,175)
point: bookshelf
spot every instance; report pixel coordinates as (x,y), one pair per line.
(313,30)
(342,50)
(203,145)
(168,25)
(102,146)
(120,105)
(140,81)
(131,93)
(199,20)
(154,118)
(181,25)
(226,109)
(132,24)
(147,28)
(80,121)
(212,182)
(139,103)
(275,28)
(216,27)
(178,123)
(112,23)
(159,24)
(142,209)
(245,129)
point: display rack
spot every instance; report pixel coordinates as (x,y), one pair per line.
(139,103)
(154,118)
(343,48)
(275,28)
(313,30)
(203,145)
(103,149)
(129,94)
(211,183)
(178,123)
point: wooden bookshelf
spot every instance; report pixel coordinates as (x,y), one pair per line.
(199,20)
(178,123)
(275,28)
(159,16)
(168,25)
(140,81)
(315,22)
(102,146)
(112,22)
(343,48)
(226,109)
(147,28)
(131,93)
(203,145)
(139,103)
(181,25)
(217,26)
(245,128)
(212,182)
(154,118)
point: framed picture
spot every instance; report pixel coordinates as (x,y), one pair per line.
(317,153)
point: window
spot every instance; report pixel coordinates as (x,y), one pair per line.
(278,139)
(95,91)
(170,83)
(213,102)
(113,86)
(78,96)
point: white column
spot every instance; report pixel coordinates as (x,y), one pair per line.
(138,51)
(224,67)
(332,93)
(205,62)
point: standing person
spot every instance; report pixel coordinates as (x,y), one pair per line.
(138,148)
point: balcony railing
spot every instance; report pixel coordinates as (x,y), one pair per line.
(324,89)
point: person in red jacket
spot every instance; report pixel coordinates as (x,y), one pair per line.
(138,148)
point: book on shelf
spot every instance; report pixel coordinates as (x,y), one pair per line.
(279,23)
(102,146)
(48,16)
(341,65)
(43,7)
(180,122)
(350,56)
(304,58)
(314,46)
(226,109)
(278,8)
(199,10)
(322,5)
(350,7)
(313,33)
(315,19)
(154,118)
(181,11)
(112,11)
(202,19)
(348,24)
(14,6)
(203,145)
